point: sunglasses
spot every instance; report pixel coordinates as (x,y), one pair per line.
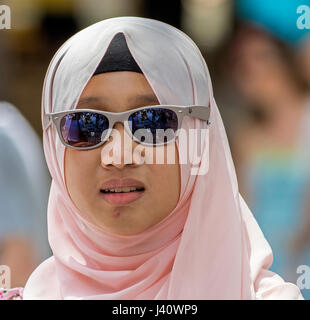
(85,129)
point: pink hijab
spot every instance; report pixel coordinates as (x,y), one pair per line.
(208,247)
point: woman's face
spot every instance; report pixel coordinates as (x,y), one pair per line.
(87,171)
(260,73)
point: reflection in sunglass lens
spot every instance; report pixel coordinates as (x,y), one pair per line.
(154,126)
(83,129)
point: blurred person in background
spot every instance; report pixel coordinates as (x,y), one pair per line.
(269,148)
(24,187)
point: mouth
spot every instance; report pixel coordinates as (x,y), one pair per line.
(120,192)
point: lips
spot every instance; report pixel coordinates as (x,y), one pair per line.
(122,191)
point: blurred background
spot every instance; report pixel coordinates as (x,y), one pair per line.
(258,54)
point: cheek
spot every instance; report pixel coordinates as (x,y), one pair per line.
(167,177)
(79,168)
(166,186)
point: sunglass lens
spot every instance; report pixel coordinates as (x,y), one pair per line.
(154,126)
(83,129)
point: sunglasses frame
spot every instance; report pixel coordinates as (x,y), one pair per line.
(194,111)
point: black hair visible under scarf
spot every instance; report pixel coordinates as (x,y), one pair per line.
(117,57)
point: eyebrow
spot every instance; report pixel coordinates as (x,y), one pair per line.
(144,99)
(90,100)
(141,99)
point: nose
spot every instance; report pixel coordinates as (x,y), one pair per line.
(118,150)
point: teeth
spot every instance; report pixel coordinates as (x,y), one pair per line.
(128,189)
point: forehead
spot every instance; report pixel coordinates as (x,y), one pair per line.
(112,89)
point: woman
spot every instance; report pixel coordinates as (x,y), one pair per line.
(24,188)
(184,232)
(273,162)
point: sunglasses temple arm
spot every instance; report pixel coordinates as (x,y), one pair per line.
(201,112)
(47,121)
